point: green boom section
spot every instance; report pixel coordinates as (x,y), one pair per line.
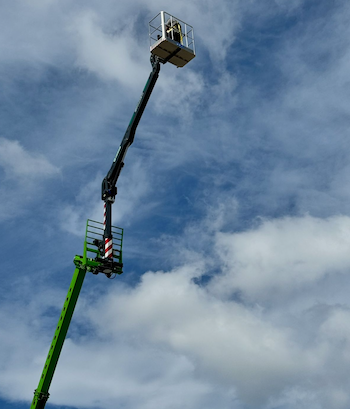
(41,394)
(92,261)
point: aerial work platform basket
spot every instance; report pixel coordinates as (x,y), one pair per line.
(171,39)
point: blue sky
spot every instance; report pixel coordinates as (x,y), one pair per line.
(234,200)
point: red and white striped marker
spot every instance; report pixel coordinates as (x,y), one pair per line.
(108,248)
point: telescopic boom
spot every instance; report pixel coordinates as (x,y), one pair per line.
(109,182)
(109,188)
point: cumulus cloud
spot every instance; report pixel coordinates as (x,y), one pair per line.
(120,368)
(179,94)
(25,173)
(171,335)
(227,343)
(163,378)
(112,56)
(234,342)
(282,256)
(22,165)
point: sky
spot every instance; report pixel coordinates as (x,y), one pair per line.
(234,200)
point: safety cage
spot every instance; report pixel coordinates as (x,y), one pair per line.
(171,39)
(94,258)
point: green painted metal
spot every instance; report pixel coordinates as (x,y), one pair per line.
(91,261)
(41,394)
(92,258)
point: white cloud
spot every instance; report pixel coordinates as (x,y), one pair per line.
(337,326)
(228,343)
(215,27)
(178,94)
(25,174)
(283,255)
(169,341)
(22,165)
(94,369)
(132,373)
(112,56)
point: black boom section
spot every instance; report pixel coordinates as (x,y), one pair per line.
(109,189)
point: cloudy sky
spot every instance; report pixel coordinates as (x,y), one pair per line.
(235,200)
